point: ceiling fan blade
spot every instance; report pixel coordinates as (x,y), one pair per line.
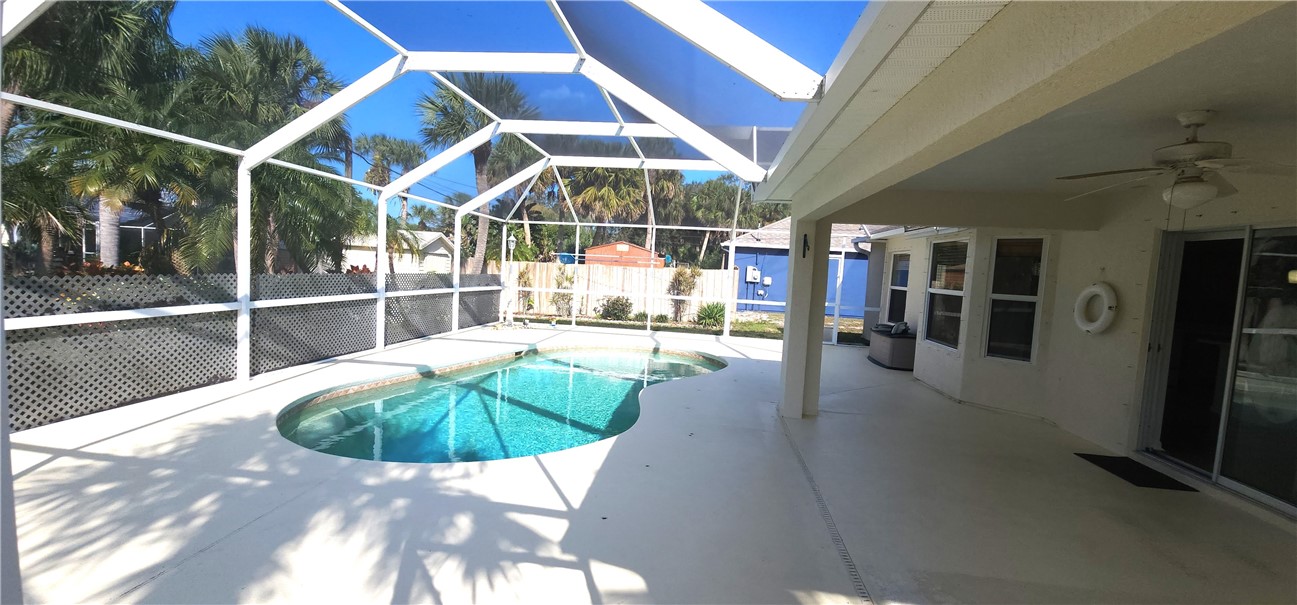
(1112,186)
(1247,165)
(1223,187)
(1108,173)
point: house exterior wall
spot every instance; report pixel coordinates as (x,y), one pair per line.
(773,263)
(1096,382)
(1089,384)
(612,254)
(433,260)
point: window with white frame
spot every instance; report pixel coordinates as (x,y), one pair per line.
(1015,298)
(898,287)
(946,292)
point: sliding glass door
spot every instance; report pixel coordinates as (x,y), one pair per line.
(1260,433)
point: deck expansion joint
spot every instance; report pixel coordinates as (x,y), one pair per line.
(839,544)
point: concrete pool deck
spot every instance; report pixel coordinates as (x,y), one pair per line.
(196,498)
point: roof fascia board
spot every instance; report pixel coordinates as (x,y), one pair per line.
(879,29)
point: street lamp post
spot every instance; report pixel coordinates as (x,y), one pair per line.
(513,279)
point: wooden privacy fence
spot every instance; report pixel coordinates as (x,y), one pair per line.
(594,282)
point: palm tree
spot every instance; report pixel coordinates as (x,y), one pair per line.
(78,47)
(448,119)
(509,157)
(117,166)
(426,218)
(388,155)
(247,87)
(36,199)
(607,195)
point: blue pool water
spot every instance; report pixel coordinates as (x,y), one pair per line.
(530,405)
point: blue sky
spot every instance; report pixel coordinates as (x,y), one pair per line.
(703,89)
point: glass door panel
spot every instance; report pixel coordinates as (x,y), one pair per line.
(1260,446)
(1198,364)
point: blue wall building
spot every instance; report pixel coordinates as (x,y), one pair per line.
(762,260)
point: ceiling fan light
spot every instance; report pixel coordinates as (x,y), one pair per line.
(1186,195)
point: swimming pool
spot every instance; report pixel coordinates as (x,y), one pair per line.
(506,408)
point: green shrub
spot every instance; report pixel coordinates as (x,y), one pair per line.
(616,308)
(683,282)
(661,318)
(711,315)
(563,301)
(641,316)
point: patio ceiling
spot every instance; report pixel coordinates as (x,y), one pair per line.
(1247,75)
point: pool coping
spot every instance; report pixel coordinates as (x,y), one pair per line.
(318,397)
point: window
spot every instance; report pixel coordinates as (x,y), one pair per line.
(897,288)
(1015,296)
(946,292)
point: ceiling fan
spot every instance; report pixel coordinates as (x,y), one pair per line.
(1196,165)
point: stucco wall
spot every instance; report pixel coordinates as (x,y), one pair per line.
(1017,386)
(1095,384)
(1089,384)
(935,364)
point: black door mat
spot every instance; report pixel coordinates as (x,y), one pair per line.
(1135,473)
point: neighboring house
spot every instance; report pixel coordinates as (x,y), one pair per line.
(621,254)
(435,254)
(762,260)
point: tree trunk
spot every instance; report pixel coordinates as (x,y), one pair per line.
(348,157)
(272,245)
(48,235)
(707,235)
(480,156)
(405,210)
(526,225)
(110,220)
(7,110)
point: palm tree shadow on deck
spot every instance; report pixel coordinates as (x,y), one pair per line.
(229,511)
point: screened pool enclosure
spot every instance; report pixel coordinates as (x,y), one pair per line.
(698,93)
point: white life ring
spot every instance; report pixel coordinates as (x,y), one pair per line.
(1109,299)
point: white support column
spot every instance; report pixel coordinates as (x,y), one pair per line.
(508,291)
(454,273)
(576,240)
(732,301)
(380,276)
(650,241)
(11,580)
(808,264)
(837,297)
(243,275)
(576,266)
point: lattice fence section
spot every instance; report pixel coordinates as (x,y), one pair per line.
(300,285)
(478,308)
(417,281)
(68,371)
(479,279)
(288,336)
(417,316)
(52,295)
